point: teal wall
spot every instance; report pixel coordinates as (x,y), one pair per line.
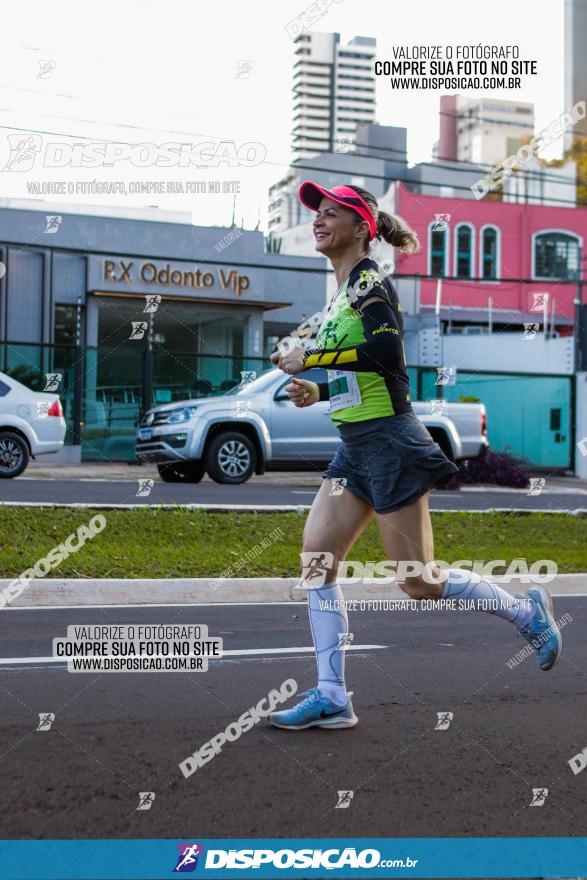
(519,414)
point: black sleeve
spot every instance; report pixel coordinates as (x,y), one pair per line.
(381,352)
(323,390)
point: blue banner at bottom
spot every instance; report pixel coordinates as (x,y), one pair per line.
(380,857)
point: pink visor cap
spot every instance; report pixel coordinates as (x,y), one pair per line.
(310,194)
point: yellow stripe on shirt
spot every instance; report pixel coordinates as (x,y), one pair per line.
(325,358)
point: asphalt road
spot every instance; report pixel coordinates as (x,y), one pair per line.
(115,735)
(26,490)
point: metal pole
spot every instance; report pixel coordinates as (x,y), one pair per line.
(577,317)
(439,329)
(148,368)
(78,376)
(3,299)
(438,296)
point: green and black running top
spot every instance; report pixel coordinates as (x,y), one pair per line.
(362,349)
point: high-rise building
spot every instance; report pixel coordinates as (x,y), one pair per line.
(575,61)
(379,156)
(334,91)
(483,131)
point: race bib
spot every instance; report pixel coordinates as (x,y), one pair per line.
(343,389)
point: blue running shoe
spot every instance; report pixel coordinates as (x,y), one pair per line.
(315,711)
(542,632)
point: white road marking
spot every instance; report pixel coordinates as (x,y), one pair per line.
(275,508)
(555,490)
(99,505)
(74,479)
(241,652)
(285,603)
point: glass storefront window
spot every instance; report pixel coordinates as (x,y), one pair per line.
(64,326)
(177,326)
(197,351)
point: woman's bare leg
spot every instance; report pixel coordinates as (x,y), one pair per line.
(334,524)
(407,536)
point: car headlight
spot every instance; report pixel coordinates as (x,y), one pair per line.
(180,415)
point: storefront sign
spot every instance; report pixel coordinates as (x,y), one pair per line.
(166,275)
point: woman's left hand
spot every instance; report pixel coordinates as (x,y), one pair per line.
(292,361)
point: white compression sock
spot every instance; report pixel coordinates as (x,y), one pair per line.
(470,586)
(329,622)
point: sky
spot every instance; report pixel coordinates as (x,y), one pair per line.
(160,71)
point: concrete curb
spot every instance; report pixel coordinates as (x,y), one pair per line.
(270,508)
(65,593)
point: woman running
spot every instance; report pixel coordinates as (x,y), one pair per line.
(387,461)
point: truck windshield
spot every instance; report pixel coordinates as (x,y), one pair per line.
(260,383)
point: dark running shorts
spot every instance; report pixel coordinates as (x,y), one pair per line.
(388,462)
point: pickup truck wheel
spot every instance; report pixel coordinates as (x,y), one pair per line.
(181,472)
(14,454)
(231,458)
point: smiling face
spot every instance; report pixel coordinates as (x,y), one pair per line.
(336,228)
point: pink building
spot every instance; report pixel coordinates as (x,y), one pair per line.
(494,257)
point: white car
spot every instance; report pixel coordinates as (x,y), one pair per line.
(31,424)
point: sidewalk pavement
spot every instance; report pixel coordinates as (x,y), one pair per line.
(120,471)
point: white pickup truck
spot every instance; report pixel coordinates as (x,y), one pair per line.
(255,427)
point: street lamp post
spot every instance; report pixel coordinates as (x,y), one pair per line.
(78,377)
(577,302)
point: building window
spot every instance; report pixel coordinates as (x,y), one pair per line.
(65,325)
(556,255)
(438,239)
(464,251)
(489,253)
